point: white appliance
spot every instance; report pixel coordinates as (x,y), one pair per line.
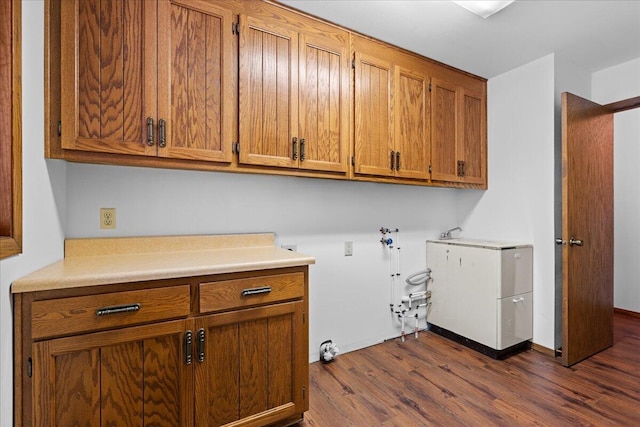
(481,293)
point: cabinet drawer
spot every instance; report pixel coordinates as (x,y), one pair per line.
(228,294)
(515,320)
(64,316)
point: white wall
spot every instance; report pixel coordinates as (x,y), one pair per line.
(519,204)
(349,296)
(43,196)
(611,85)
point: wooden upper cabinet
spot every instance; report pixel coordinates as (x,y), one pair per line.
(195,67)
(459,145)
(146,78)
(108,75)
(444,129)
(374,135)
(474,142)
(412,124)
(323,108)
(294,89)
(268,93)
(392,107)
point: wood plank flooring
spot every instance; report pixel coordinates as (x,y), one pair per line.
(433,381)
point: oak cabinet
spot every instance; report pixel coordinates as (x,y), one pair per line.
(227,349)
(250,365)
(459,145)
(148,78)
(254,86)
(293,98)
(131,377)
(392,107)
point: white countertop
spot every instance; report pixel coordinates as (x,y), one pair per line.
(489,244)
(91,262)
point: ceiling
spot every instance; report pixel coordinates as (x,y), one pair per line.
(592,35)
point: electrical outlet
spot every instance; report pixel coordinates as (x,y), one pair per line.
(107,218)
(348,248)
(291,248)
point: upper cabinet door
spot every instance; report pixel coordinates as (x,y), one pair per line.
(194,75)
(474,139)
(268,93)
(374,131)
(444,131)
(412,124)
(324,103)
(108,75)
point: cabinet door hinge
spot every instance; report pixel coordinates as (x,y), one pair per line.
(304,393)
(30,367)
(235,28)
(304,317)
(60,128)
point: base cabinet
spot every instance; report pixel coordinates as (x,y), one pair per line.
(250,367)
(130,377)
(220,350)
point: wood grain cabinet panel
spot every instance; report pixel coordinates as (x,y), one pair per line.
(195,68)
(253,368)
(294,89)
(238,293)
(64,316)
(149,78)
(374,136)
(392,107)
(131,377)
(458,124)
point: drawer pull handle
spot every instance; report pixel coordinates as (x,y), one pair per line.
(117,309)
(517,300)
(256,291)
(201,345)
(188,344)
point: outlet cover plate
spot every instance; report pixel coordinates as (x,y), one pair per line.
(107,218)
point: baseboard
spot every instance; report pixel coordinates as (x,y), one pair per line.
(626,312)
(542,349)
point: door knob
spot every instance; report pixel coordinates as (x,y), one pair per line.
(575,242)
(560,241)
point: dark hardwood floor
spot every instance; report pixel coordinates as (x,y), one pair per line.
(434,381)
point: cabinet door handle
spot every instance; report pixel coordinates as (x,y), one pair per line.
(393,159)
(118,309)
(162,133)
(397,160)
(460,167)
(256,291)
(201,342)
(517,300)
(150,131)
(302,150)
(188,343)
(295,148)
